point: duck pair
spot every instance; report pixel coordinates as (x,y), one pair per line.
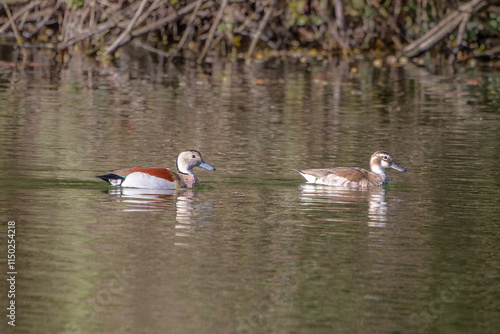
(163,178)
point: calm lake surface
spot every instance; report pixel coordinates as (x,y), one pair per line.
(253,249)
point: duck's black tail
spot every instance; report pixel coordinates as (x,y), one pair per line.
(113,179)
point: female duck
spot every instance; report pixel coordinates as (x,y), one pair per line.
(160,178)
(354,176)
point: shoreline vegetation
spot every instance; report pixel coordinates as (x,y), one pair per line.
(205,30)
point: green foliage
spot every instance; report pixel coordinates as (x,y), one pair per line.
(411,6)
(75,4)
(494,23)
(298,11)
(226,26)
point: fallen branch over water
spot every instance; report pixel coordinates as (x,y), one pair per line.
(125,34)
(211,34)
(459,18)
(260,29)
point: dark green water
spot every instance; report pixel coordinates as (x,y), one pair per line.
(253,249)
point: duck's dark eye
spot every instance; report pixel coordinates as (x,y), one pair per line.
(193,156)
(385,157)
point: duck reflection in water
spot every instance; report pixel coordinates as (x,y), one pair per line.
(137,199)
(190,213)
(313,197)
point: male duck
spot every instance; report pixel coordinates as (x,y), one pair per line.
(160,178)
(354,176)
